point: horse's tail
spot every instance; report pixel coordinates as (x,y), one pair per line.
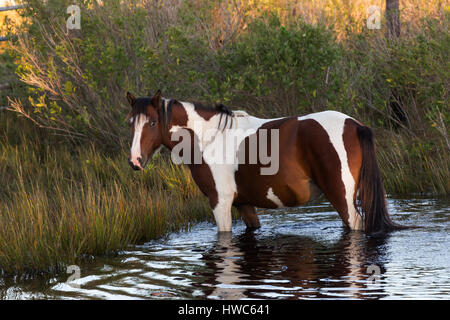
(371,191)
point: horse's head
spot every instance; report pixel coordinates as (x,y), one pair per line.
(146,133)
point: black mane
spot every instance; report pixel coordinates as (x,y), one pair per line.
(140,104)
(165,111)
(220,108)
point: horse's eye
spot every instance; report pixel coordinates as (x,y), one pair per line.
(153,123)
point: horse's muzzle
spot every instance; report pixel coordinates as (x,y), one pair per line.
(134,166)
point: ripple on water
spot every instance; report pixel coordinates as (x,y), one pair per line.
(300,253)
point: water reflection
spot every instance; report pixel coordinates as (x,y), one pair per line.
(301,253)
(292,267)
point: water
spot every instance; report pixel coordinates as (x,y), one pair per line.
(300,253)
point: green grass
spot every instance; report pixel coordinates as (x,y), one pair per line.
(59,204)
(411,165)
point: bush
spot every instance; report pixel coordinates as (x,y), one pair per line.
(268,63)
(414,69)
(278,69)
(76,81)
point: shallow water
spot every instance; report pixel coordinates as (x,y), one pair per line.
(300,253)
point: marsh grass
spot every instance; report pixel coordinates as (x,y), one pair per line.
(58,205)
(422,168)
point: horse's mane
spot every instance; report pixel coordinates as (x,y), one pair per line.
(219,108)
(139,106)
(165,112)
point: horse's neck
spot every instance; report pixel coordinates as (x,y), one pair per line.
(216,120)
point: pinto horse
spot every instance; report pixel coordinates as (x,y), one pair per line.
(326,153)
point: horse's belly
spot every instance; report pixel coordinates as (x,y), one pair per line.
(265,192)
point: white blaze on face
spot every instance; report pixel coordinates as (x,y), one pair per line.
(139,123)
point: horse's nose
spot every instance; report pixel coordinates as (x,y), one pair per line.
(134,166)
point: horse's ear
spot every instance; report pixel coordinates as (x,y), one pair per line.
(131,98)
(156,100)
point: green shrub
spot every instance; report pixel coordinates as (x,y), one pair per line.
(284,65)
(269,66)
(77,80)
(414,68)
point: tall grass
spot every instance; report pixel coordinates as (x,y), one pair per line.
(59,204)
(420,169)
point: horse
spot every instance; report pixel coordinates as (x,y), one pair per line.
(327,153)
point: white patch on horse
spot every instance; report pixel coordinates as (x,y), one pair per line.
(222,173)
(333,122)
(240,113)
(273,197)
(139,123)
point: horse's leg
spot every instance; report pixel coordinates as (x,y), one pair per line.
(346,209)
(337,174)
(249,216)
(222,213)
(220,199)
(341,192)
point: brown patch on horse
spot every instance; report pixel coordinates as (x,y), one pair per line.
(291,184)
(201,172)
(324,164)
(249,191)
(179,114)
(207,112)
(204,111)
(353,149)
(171,113)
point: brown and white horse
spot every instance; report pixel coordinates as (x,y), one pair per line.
(326,152)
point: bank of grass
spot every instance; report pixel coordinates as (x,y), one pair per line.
(59,204)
